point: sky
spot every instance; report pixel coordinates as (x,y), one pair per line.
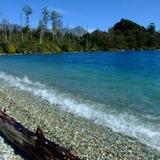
(91,14)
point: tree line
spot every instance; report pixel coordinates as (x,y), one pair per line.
(124,35)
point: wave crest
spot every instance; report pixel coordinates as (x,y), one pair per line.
(124,123)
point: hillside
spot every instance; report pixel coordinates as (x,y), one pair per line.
(78,31)
(124,35)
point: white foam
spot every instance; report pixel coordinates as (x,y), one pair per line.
(124,123)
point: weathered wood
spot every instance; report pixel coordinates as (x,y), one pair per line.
(35,145)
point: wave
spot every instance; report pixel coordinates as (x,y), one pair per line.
(119,122)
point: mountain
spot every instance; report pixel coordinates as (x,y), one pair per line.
(12,27)
(78,31)
(126,25)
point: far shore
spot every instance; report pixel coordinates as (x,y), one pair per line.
(74,52)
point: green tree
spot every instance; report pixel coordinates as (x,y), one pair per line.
(151,27)
(41,30)
(5,29)
(43,23)
(56,20)
(27,11)
(45,17)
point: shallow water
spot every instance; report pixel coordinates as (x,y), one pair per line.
(121,91)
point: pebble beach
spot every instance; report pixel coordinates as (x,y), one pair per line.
(84,138)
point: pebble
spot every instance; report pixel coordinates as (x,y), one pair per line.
(7,152)
(84,138)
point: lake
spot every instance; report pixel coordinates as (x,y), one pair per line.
(114,89)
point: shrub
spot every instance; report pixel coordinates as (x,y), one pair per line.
(1,49)
(9,48)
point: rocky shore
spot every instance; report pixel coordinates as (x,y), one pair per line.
(7,152)
(82,137)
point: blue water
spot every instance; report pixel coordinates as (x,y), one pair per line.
(119,90)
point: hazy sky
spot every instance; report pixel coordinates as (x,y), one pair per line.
(100,14)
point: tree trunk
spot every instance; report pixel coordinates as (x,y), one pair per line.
(41,36)
(35,145)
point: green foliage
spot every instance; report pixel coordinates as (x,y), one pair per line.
(124,35)
(9,48)
(67,48)
(27,11)
(56,19)
(56,49)
(1,49)
(151,27)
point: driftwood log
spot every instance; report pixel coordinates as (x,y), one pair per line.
(34,145)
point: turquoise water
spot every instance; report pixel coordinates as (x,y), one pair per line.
(119,90)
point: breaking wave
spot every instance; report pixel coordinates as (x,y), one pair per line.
(125,123)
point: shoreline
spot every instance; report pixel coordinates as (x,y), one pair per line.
(75,52)
(83,137)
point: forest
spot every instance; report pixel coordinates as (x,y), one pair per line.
(124,35)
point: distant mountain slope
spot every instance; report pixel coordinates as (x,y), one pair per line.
(126,25)
(78,31)
(12,26)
